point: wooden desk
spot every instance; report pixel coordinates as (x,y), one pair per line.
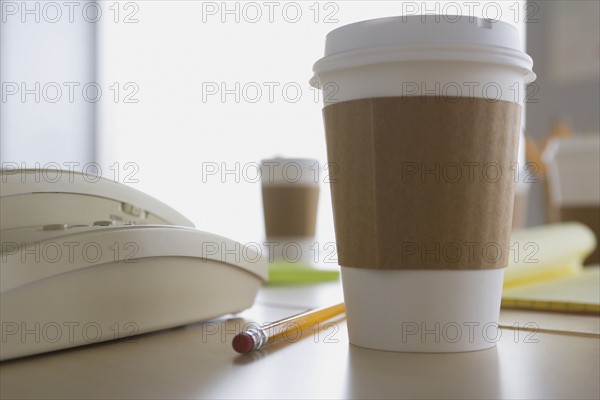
(197,361)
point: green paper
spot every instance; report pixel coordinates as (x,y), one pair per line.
(285,273)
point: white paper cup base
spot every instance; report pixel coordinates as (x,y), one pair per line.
(423,311)
(293,250)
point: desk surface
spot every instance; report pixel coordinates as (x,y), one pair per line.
(197,361)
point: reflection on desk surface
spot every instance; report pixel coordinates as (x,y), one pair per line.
(197,361)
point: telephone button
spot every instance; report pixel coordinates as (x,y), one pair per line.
(54,227)
(132,210)
(103,223)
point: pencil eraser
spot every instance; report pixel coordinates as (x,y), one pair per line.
(243,343)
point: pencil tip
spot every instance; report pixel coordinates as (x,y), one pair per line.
(243,343)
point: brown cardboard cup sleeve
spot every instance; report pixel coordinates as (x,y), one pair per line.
(290,210)
(422,182)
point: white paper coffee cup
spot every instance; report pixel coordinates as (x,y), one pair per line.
(290,190)
(423,310)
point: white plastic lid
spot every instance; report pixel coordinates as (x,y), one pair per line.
(424,38)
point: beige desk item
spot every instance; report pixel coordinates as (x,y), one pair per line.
(197,361)
(573,166)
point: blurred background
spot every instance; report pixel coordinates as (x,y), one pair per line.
(182,99)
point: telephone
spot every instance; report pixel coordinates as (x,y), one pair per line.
(85,260)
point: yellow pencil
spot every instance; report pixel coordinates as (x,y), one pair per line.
(256,338)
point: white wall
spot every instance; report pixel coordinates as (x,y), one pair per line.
(177,48)
(47,56)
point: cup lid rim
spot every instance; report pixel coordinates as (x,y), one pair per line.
(431,52)
(424,38)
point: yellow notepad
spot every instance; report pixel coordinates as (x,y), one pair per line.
(547,272)
(579,293)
